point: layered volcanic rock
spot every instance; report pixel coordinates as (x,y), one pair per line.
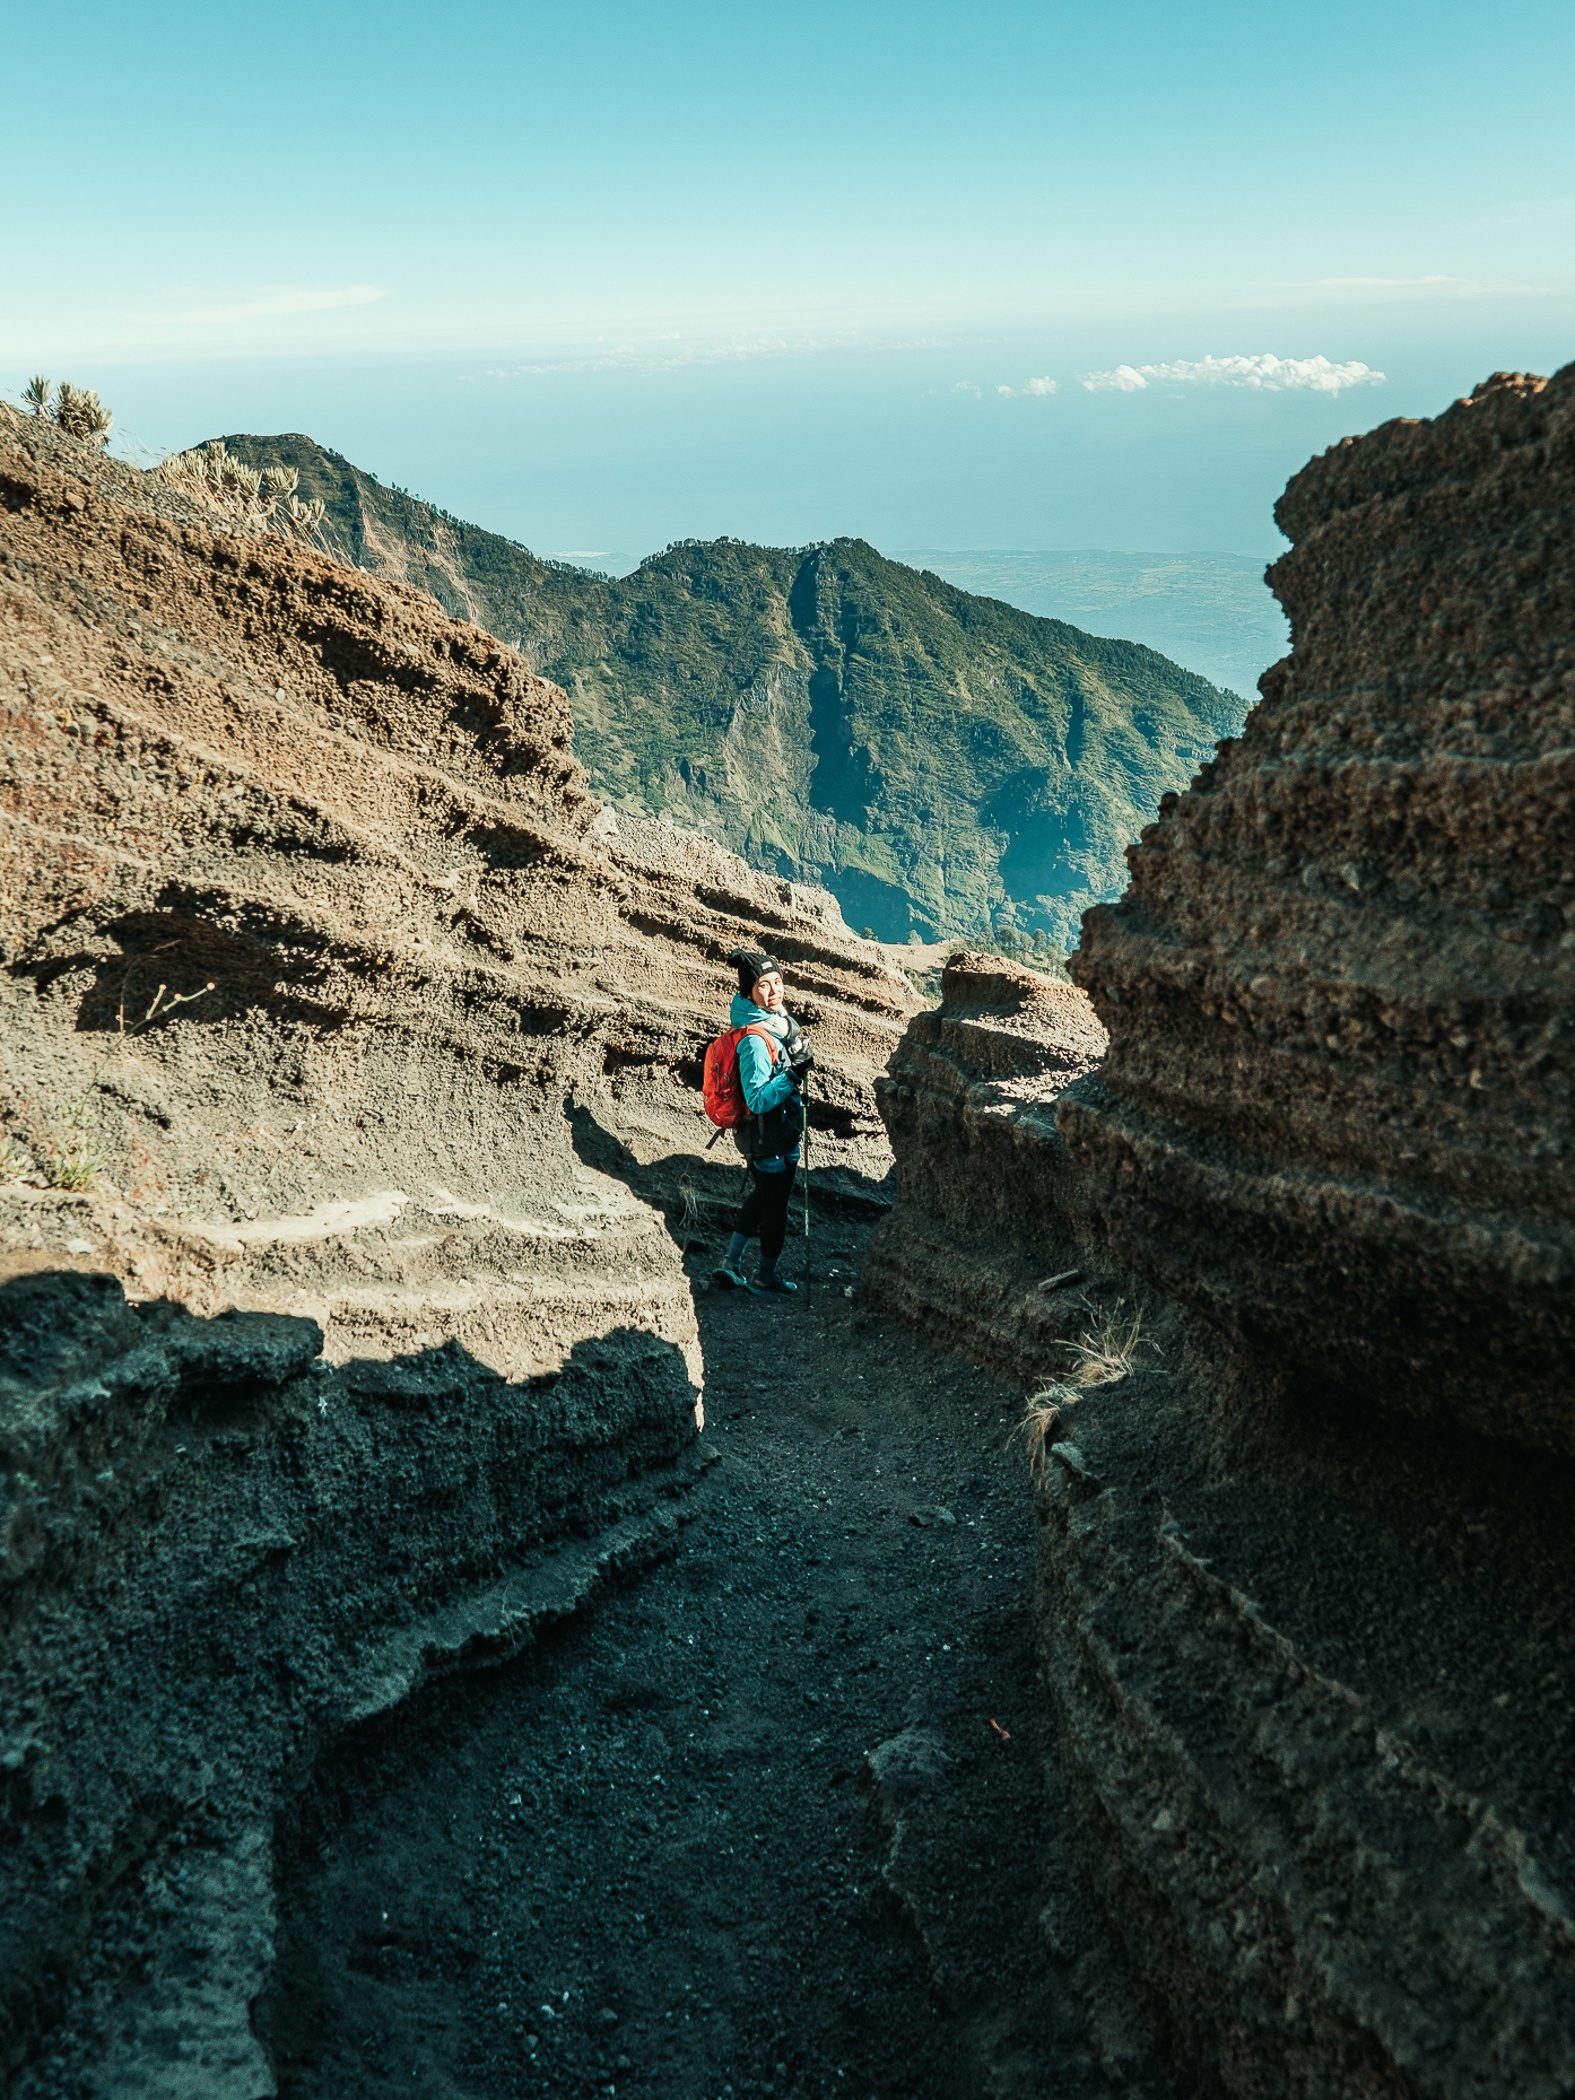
(350,1091)
(988,1215)
(1306,1568)
(1341,988)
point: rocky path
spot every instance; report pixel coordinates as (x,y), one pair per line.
(771,1821)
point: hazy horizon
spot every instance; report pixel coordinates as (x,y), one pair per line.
(1044,279)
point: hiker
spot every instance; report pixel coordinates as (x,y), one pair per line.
(773,1057)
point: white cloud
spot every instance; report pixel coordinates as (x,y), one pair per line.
(1264,372)
(1029,386)
(283,300)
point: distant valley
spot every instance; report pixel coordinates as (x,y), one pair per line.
(946,764)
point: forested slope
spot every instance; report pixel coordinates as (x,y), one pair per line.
(943,763)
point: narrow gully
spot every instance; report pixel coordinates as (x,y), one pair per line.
(668,1854)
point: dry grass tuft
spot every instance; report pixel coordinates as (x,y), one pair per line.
(1108,1351)
(688,1203)
(259,500)
(1105,1353)
(78,1160)
(1043,1412)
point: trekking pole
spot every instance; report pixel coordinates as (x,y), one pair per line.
(808,1283)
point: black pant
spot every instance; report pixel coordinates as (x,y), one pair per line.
(764,1210)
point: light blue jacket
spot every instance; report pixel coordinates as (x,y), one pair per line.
(765,1086)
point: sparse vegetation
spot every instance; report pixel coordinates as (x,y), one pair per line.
(79,1158)
(77,410)
(1105,1353)
(255,499)
(16,1161)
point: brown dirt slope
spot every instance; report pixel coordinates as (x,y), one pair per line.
(350,1016)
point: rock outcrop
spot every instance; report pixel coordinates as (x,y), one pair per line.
(1335,1118)
(350,1091)
(1305,1567)
(989,1215)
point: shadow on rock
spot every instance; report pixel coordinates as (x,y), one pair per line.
(216,1553)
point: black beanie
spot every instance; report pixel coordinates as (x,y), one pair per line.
(751,966)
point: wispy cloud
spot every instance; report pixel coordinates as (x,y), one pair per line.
(281,301)
(1390,284)
(1029,386)
(1264,373)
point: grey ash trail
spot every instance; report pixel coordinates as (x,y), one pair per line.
(652,1859)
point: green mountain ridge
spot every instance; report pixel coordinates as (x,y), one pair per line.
(943,763)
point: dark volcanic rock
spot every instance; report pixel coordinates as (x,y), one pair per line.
(1306,1569)
(986,1216)
(1335,1118)
(218,1553)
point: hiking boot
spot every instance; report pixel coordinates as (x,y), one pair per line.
(772,1286)
(727,1279)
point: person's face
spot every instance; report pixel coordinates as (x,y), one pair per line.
(768,991)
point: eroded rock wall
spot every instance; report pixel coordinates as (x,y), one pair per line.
(1335,1118)
(1304,1567)
(350,1087)
(988,1215)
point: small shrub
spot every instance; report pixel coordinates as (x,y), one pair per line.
(36,394)
(80,414)
(16,1162)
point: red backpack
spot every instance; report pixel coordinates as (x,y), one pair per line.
(724,1092)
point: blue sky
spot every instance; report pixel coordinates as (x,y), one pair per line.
(602,277)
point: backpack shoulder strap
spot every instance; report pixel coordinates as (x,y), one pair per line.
(770,1041)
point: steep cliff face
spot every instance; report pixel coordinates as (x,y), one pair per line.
(350,1090)
(1304,1564)
(1335,1116)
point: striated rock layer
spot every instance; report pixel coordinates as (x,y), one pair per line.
(988,1215)
(1305,1566)
(345,1044)
(1341,988)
